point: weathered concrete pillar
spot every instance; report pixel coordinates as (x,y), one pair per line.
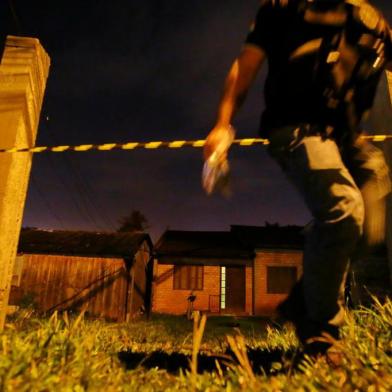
(388,156)
(23,73)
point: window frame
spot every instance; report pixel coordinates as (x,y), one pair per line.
(187,267)
(222,296)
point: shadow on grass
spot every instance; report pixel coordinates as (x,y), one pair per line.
(263,361)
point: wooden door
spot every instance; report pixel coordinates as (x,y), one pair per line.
(235,289)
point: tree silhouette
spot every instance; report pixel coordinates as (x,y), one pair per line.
(135,221)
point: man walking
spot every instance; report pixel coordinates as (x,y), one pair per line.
(325,58)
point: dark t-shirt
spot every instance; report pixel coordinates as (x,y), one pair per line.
(291,95)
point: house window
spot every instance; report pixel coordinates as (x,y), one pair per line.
(280,280)
(223,288)
(188,277)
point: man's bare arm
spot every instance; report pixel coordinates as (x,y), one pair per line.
(240,77)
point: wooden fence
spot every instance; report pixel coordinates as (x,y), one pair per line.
(104,287)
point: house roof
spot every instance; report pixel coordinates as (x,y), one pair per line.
(81,243)
(270,236)
(202,244)
(240,243)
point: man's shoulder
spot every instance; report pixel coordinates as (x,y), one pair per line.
(370,18)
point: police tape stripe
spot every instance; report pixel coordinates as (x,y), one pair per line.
(377,138)
(175,144)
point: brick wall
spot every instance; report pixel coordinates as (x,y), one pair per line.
(249,290)
(168,300)
(264,303)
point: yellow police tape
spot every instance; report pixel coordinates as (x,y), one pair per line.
(153,145)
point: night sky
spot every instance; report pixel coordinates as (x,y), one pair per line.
(145,70)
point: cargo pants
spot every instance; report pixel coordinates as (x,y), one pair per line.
(344,189)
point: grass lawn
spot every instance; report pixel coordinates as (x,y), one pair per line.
(66,353)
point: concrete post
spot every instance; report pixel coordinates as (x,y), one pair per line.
(388,156)
(23,73)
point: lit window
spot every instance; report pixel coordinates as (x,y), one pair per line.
(223,288)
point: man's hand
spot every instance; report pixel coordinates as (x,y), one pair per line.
(216,168)
(218,142)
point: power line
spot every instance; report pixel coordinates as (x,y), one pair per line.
(77,202)
(85,203)
(84,186)
(45,201)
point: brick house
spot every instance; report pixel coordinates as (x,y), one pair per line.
(108,274)
(245,271)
